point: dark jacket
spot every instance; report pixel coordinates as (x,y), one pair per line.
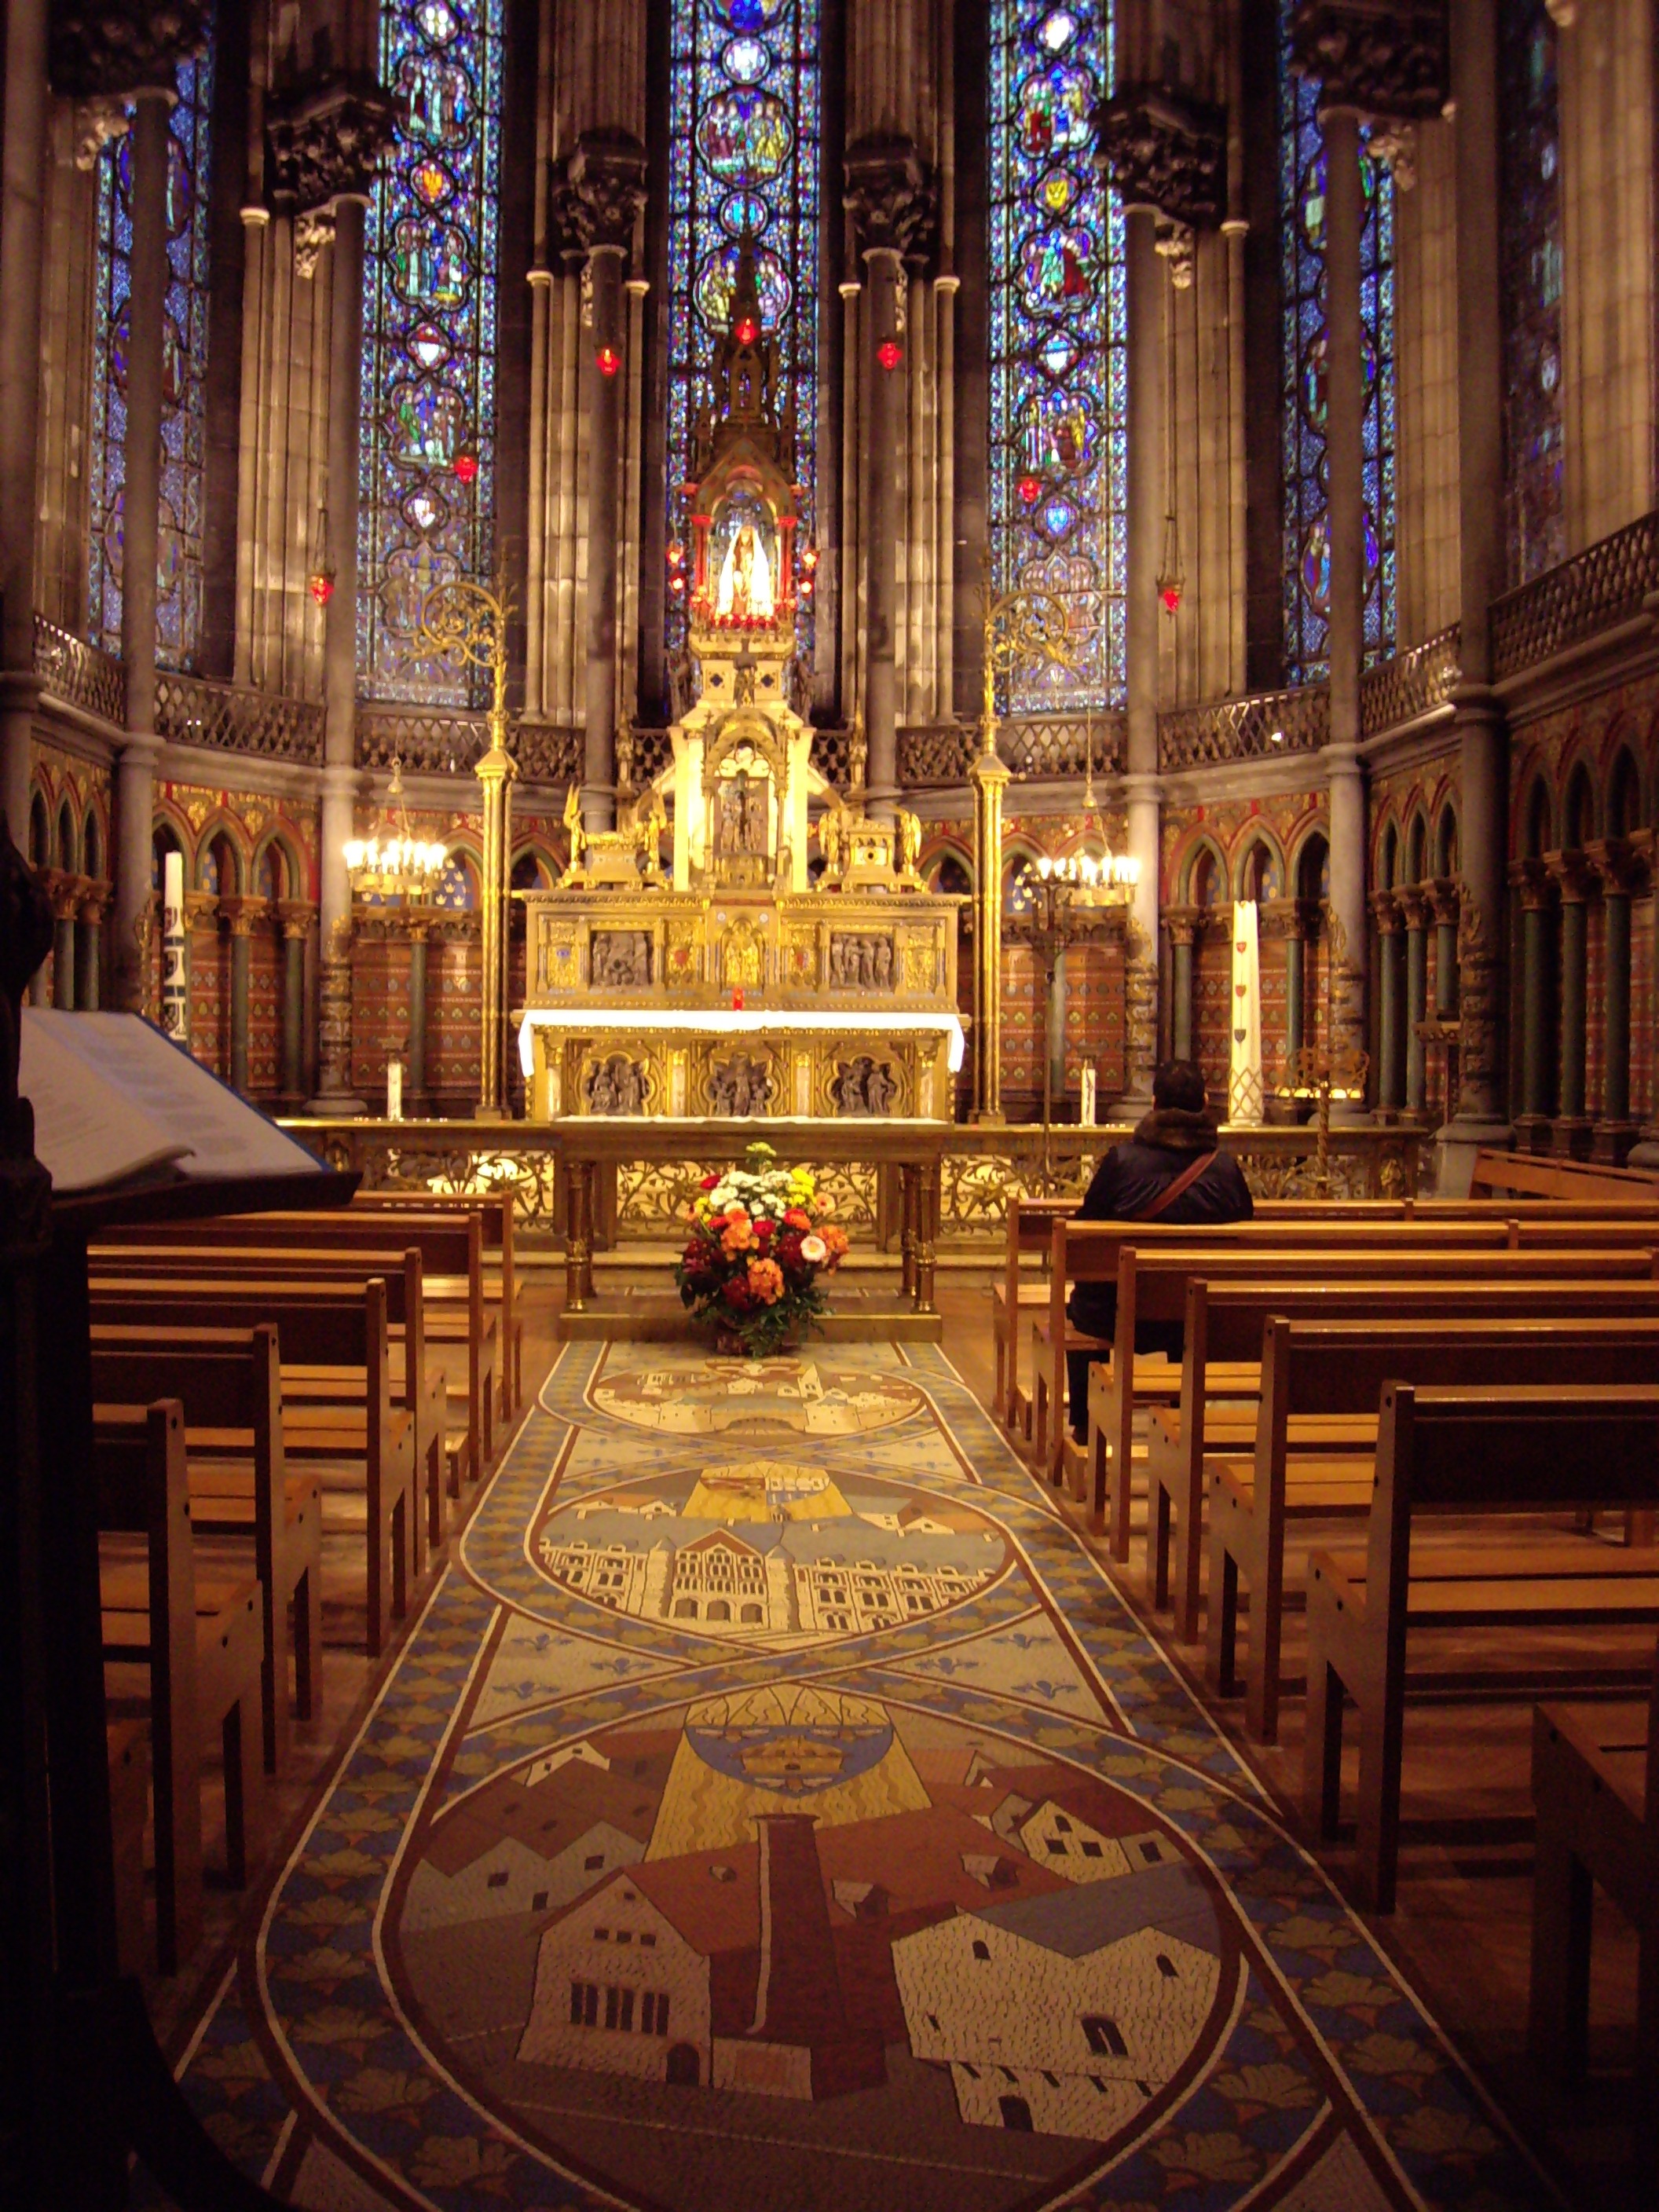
(1129,1179)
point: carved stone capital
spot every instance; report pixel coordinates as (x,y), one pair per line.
(110,49)
(325,138)
(1385,57)
(1415,905)
(1395,145)
(1385,912)
(313,231)
(1165,152)
(96,122)
(1184,923)
(599,192)
(241,913)
(296,916)
(1622,865)
(1574,875)
(1447,894)
(890,196)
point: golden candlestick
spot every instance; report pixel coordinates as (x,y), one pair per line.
(1019,627)
(464,622)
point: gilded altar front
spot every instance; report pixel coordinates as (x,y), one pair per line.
(749,976)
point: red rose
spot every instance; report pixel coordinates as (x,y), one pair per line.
(736,1294)
(763,1232)
(695,1254)
(709,1182)
(786,1251)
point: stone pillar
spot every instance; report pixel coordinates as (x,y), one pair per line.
(988,780)
(1184,924)
(1346,525)
(1573,880)
(1056,1025)
(90,949)
(1165,152)
(295,916)
(1444,893)
(1391,1072)
(888,195)
(1645,1153)
(599,189)
(1537,980)
(23,226)
(1414,906)
(416,1101)
(241,915)
(65,899)
(1296,991)
(1619,869)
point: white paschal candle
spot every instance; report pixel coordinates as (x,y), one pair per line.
(175,983)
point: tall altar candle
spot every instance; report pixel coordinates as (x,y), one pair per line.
(1086,1109)
(394,1091)
(175,983)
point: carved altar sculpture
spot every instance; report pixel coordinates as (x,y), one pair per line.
(737,985)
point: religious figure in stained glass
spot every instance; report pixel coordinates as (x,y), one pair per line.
(1058,479)
(742,176)
(1530,253)
(427,485)
(1306,535)
(184,377)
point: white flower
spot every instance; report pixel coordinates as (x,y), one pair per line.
(814,1249)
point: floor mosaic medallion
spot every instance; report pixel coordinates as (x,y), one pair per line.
(775,1807)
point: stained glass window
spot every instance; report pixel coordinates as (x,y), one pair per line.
(1059,324)
(1530,152)
(1302,230)
(427,512)
(744,155)
(184,377)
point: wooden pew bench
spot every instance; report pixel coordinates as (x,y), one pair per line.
(182,1650)
(246,1506)
(1505,1452)
(500,1283)
(1595,1794)
(1319,1369)
(1018,1296)
(353,1437)
(127,1744)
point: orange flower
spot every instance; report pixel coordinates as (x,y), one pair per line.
(737,1236)
(835,1243)
(795,1219)
(766,1280)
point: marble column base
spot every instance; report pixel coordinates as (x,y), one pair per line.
(1571,1136)
(1611,1142)
(1456,1146)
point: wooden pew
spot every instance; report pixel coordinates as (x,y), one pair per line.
(181,1650)
(1468,1451)
(1152,1286)
(1016,1298)
(1595,1794)
(361,1246)
(127,1743)
(359,1447)
(1321,1371)
(501,1279)
(245,1505)
(1524,1175)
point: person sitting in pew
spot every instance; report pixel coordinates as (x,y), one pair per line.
(1172,1169)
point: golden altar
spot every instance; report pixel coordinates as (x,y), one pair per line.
(749,978)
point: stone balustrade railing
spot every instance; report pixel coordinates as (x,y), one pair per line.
(1604,585)
(192,710)
(1396,692)
(1255,728)
(79,674)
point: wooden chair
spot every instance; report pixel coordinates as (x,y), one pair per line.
(1017,1296)
(359,1445)
(1467,1451)
(1315,1431)
(182,1651)
(245,1504)
(1596,1793)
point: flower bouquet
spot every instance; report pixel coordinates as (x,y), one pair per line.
(761,1240)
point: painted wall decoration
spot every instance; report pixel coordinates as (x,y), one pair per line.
(744,156)
(428,469)
(184,377)
(1059,327)
(1307,544)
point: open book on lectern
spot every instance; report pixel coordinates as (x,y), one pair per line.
(114,1099)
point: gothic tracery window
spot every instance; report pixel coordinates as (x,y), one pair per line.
(1302,230)
(427,481)
(184,377)
(744,155)
(1530,253)
(1058,321)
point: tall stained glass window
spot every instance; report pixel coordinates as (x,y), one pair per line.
(743,154)
(1302,230)
(426,489)
(1530,250)
(1059,324)
(184,377)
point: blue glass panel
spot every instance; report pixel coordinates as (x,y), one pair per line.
(1530,263)
(743,141)
(1302,274)
(1058,374)
(427,468)
(184,377)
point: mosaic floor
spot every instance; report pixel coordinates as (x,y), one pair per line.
(775,1807)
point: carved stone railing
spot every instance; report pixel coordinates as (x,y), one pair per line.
(1605,584)
(653,752)
(192,710)
(934,753)
(78,674)
(1059,745)
(444,741)
(549,753)
(1414,683)
(1254,729)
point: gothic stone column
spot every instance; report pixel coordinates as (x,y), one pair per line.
(1622,872)
(1184,924)
(889,197)
(241,915)
(294,917)
(1166,156)
(1414,906)
(600,193)
(1391,1071)
(1574,880)
(22,225)
(89,947)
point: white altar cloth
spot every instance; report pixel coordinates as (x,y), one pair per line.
(726,1021)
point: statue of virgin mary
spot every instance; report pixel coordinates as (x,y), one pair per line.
(745,579)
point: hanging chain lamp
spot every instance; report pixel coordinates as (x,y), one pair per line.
(392,864)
